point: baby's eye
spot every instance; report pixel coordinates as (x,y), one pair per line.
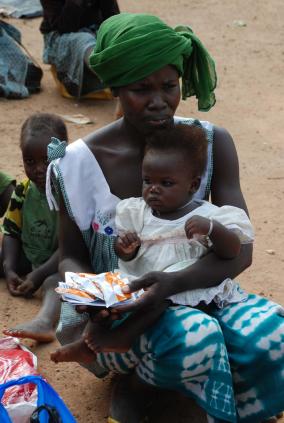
(167,183)
(146,181)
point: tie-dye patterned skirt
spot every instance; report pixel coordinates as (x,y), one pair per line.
(185,351)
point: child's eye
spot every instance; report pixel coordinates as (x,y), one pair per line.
(29,162)
(167,183)
(146,181)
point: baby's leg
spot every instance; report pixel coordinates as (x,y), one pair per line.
(76,351)
(99,338)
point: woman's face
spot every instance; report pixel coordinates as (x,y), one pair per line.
(150,104)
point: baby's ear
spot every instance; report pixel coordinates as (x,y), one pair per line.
(195,183)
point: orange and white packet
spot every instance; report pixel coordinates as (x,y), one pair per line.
(104,289)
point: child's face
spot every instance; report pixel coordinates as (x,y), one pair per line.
(168,182)
(34,152)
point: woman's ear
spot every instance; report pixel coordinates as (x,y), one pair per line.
(115,92)
(194,185)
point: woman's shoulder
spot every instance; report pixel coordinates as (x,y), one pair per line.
(103,137)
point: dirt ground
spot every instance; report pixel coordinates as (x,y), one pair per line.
(246,38)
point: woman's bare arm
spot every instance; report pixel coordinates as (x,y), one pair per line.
(73,252)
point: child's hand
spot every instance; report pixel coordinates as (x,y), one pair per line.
(196,225)
(13,282)
(127,243)
(26,288)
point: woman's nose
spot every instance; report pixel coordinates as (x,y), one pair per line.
(157,101)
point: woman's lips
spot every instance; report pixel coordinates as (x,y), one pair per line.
(158,121)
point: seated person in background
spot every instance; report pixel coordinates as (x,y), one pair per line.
(69,30)
(20,75)
(7,185)
(30,242)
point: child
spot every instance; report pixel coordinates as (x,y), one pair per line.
(174,231)
(30,243)
(7,185)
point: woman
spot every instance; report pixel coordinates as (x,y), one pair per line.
(141,58)
(69,30)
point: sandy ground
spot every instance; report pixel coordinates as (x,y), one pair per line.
(246,40)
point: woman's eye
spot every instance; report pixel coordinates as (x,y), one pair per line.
(139,89)
(170,86)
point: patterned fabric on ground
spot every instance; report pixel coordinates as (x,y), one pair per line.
(66,52)
(13,63)
(22,8)
(30,220)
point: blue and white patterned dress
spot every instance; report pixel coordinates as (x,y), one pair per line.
(231,363)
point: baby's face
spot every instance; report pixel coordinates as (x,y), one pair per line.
(34,152)
(167,180)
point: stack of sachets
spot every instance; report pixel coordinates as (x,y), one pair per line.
(104,289)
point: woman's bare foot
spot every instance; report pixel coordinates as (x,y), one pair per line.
(36,329)
(102,339)
(76,351)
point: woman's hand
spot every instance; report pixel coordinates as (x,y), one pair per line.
(104,316)
(157,286)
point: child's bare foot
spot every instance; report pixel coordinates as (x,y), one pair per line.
(36,329)
(76,351)
(101,339)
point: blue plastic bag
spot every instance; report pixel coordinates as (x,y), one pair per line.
(46,396)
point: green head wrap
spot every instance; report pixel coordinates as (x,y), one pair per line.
(130,47)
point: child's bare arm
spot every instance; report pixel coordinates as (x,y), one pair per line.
(5,198)
(11,250)
(226,244)
(127,245)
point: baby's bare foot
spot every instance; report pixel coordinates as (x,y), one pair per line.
(76,351)
(102,339)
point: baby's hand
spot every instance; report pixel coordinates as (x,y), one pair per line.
(127,243)
(196,225)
